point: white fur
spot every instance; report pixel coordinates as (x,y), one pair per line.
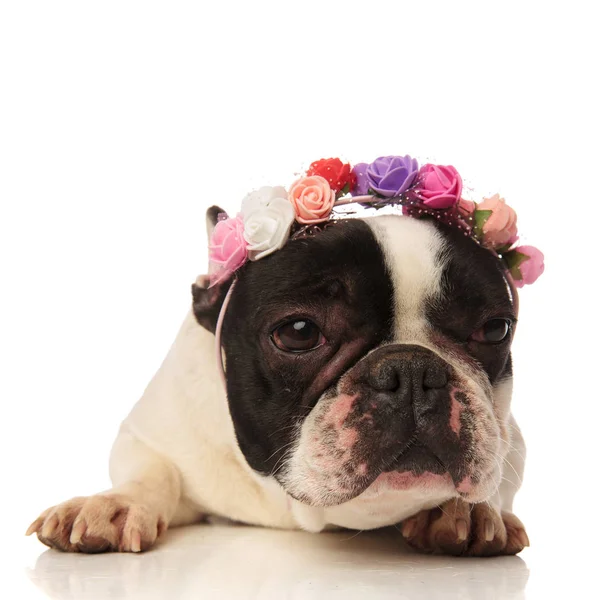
(410,248)
(183,416)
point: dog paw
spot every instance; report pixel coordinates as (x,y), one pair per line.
(463,529)
(102,523)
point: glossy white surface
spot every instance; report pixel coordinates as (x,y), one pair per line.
(251,563)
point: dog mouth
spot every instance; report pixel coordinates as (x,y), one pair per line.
(415,465)
(417,458)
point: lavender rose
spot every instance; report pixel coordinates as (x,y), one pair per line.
(387,176)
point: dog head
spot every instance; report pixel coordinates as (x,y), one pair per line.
(376,353)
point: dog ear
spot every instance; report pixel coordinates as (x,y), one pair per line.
(212,218)
(207,301)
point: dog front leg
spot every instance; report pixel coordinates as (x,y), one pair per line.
(131,516)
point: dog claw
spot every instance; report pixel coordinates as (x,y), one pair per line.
(78,532)
(50,526)
(523,538)
(489,530)
(408,529)
(461,530)
(34,527)
(136,541)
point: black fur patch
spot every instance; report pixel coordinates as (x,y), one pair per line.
(337,279)
(474,290)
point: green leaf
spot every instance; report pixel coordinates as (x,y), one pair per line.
(345,190)
(514,260)
(504,249)
(480,218)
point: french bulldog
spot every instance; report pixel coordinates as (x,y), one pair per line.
(368,383)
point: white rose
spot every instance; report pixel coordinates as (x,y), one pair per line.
(261,197)
(268,216)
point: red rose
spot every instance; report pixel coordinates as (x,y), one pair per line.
(339,175)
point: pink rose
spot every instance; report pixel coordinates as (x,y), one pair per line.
(500,227)
(227,250)
(528,261)
(312,199)
(438,186)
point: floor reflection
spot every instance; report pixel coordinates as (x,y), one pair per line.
(246,562)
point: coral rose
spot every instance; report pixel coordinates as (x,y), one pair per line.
(312,199)
(500,225)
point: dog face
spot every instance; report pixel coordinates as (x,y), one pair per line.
(376,353)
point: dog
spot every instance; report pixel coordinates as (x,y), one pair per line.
(368,383)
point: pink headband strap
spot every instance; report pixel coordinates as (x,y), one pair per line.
(514,295)
(218,331)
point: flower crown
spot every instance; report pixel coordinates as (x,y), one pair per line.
(270,216)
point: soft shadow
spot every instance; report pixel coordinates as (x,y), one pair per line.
(247,562)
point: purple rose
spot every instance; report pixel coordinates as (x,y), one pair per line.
(387,176)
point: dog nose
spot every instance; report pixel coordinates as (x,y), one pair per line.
(409,368)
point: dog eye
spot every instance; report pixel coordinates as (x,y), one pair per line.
(297,336)
(493,332)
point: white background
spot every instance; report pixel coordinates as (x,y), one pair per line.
(121,122)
